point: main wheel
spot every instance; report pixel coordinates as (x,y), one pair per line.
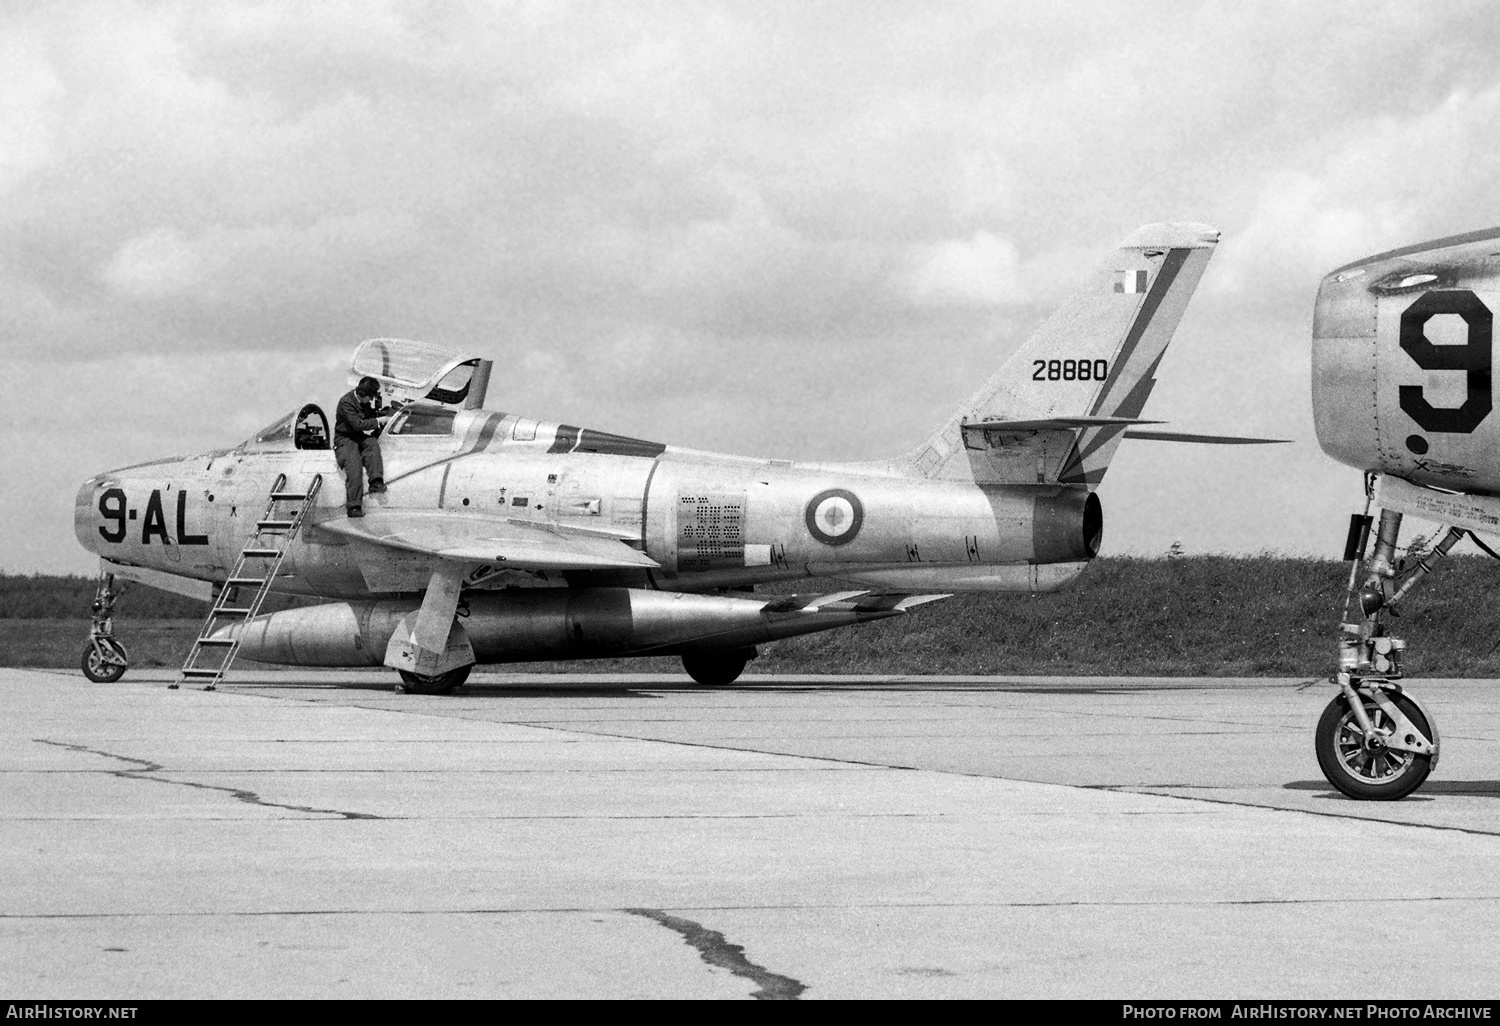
(434,684)
(100,670)
(715,669)
(1371,772)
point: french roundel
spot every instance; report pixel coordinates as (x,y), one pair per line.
(834,516)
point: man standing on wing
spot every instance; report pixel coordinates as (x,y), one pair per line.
(356,445)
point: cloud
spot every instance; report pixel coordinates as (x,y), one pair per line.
(725,225)
(28,94)
(159,263)
(980,271)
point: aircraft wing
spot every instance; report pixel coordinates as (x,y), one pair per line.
(478,539)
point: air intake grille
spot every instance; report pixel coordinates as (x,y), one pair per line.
(709,534)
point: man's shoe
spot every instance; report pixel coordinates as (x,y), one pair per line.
(356,511)
(377,486)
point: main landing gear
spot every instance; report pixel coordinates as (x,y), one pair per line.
(433,684)
(104,659)
(716,669)
(1374,741)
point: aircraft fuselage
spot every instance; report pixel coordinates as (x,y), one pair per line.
(708,521)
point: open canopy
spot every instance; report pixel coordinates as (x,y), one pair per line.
(409,369)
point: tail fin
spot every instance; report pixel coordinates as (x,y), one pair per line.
(1091,363)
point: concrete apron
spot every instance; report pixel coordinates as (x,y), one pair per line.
(287,841)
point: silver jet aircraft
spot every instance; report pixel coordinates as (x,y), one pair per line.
(502,538)
(1402,389)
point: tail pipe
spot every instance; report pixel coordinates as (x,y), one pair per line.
(1067,526)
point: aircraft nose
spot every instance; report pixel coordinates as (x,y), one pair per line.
(85,514)
(1345,307)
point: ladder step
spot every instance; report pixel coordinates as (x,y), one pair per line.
(200,673)
(216,641)
(261,553)
(275,525)
(288,496)
(230,611)
(235,582)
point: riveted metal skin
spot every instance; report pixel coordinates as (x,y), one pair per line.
(1402,360)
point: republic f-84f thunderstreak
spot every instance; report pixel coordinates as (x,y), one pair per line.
(1403,389)
(501,538)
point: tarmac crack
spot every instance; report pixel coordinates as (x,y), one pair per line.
(147,770)
(716,950)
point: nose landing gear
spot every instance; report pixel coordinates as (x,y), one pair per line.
(1374,741)
(104,659)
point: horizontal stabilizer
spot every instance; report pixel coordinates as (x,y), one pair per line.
(1054,423)
(1180,436)
(475,539)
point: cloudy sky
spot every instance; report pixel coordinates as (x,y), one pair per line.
(802,230)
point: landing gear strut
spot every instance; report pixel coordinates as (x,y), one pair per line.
(104,659)
(1373,740)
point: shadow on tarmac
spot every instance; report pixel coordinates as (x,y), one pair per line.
(1482,788)
(1429,788)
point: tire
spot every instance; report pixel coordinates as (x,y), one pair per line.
(99,671)
(434,684)
(1385,775)
(716,669)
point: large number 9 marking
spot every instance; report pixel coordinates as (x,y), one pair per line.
(112,506)
(1473,356)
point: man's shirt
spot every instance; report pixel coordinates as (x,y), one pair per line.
(355,419)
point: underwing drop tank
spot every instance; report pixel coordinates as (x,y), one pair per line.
(527,624)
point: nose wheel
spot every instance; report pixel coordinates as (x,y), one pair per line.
(1381,765)
(104,660)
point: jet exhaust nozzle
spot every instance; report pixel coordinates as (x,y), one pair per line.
(1067,526)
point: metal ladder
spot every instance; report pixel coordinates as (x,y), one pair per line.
(268,546)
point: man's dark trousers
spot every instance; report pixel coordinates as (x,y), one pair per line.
(357,459)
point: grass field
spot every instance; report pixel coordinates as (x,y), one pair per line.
(1201,616)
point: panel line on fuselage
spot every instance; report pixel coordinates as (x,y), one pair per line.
(646,514)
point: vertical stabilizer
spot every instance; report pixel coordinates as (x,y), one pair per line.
(1095,357)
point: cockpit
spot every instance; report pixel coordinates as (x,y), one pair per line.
(306,428)
(435,384)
